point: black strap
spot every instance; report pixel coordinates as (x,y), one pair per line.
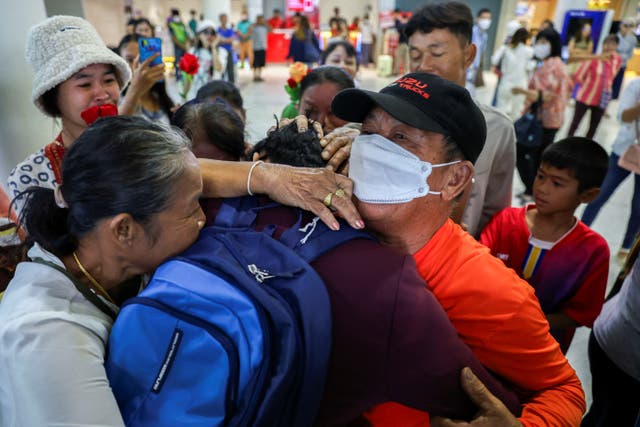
(82,288)
(626,269)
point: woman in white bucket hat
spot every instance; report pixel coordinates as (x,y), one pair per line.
(77,79)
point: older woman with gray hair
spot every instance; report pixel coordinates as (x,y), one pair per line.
(129,200)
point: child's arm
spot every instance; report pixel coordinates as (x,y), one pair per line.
(561,321)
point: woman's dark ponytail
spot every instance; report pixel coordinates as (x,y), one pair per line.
(47,223)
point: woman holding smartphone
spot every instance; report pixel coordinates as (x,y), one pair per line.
(146,96)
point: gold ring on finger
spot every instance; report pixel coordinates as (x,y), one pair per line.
(327,200)
(339,193)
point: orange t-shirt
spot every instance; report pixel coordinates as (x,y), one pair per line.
(498,316)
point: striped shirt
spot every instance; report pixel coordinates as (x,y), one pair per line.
(595,77)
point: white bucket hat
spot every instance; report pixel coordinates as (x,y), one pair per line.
(204,25)
(60,46)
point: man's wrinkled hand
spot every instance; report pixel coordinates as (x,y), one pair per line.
(492,412)
(337,148)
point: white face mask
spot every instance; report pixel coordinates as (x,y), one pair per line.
(385,173)
(484,24)
(542,51)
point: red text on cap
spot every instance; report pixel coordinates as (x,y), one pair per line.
(413,85)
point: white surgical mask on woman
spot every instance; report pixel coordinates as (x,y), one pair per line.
(384,173)
(542,51)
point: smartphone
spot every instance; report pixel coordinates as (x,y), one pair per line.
(149,46)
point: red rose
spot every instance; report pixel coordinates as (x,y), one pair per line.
(189,64)
(92,114)
(292,83)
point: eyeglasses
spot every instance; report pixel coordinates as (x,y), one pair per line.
(208,32)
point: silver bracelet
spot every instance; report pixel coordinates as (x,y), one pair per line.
(249,176)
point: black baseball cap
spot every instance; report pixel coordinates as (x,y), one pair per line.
(424,101)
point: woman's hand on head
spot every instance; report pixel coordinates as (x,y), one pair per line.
(309,189)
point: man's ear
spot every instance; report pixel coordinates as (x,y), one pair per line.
(458,178)
(123,229)
(470,52)
(589,195)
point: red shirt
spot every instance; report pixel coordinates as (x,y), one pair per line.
(569,276)
(498,316)
(275,22)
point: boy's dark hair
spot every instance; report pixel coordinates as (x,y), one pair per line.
(326,74)
(483,10)
(553,38)
(221,125)
(585,158)
(221,89)
(287,146)
(453,16)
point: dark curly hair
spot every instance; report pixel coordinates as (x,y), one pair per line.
(287,146)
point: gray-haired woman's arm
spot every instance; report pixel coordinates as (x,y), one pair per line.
(307,188)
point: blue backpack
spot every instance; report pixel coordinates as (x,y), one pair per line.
(235,331)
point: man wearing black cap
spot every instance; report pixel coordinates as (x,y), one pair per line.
(440,43)
(439,37)
(413,160)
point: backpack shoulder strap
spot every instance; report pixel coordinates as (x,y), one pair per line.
(82,288)
(314,239)
(239,213)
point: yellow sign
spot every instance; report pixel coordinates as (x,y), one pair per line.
(599,4)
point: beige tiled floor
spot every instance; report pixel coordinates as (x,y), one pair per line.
(265,99)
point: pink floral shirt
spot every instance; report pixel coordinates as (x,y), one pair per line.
(552,78)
